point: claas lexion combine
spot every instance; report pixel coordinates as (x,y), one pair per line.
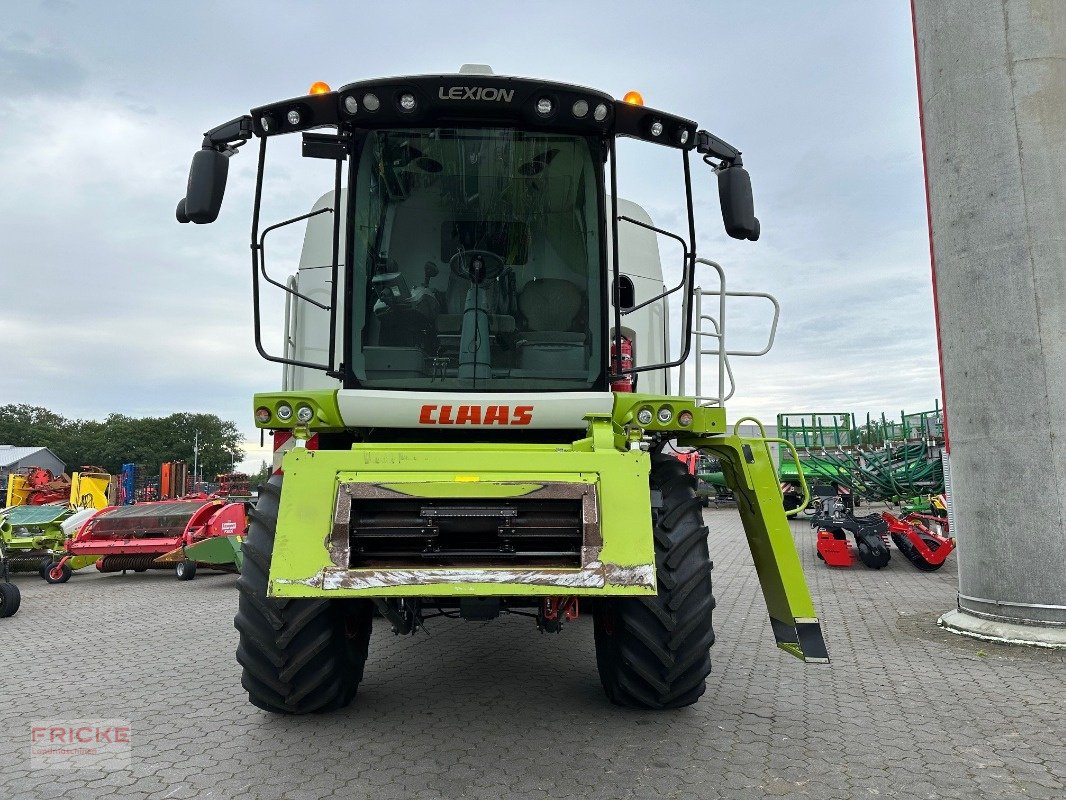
(476,389)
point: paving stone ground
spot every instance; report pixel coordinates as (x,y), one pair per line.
(495,710)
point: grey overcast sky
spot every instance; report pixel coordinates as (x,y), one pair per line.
(108,305)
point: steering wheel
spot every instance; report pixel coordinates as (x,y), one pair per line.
(476,266)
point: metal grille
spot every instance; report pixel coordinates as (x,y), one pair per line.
(945,460)
(552,524)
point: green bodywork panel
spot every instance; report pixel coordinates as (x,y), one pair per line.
(323,402)
(33,532)
(305,565)
(749,471)
(311,556)
(224,551)
(813,469)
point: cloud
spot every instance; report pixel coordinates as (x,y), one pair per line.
(28,69)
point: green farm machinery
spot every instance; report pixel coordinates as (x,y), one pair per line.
(476,398)
(34,538)
(883,460)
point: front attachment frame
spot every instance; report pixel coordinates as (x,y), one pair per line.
(749,471)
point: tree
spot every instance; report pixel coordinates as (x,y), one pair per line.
(23,425)
(263,475)
(120,439)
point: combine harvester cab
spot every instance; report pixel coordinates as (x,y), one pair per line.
(171,534)
(477,399)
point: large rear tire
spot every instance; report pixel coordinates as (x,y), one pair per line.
(299,656)
(655,652)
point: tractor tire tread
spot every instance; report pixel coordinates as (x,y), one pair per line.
(10,599)
(654,652)
(297,655)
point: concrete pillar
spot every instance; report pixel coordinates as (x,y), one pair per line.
(992,90)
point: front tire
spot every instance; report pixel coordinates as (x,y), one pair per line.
(10,599)
(184,570)
(655,652)
(56,572)
(299,656)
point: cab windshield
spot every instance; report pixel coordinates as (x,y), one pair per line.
(477,261)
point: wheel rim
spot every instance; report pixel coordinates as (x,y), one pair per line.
(56,573)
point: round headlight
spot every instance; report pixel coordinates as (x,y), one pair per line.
(600,114)
(544,106)
(371,102)
(665,414)
(293,117)
(262,415)
(644,416)
(684,419)
(284,412)
(656,129)
(407,102)
(580,108)
(351,105)
(305,414)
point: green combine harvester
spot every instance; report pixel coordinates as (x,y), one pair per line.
(476,391)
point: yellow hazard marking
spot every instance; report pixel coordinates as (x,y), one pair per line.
(467,478)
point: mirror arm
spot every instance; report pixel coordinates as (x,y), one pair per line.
(228,136)
(710,146)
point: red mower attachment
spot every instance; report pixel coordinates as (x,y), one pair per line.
(834,549)
(154,535)
(926,550)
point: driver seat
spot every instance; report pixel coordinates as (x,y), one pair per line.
(450,323)
(552,308)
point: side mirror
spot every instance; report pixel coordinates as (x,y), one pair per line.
(206,187)
(738,207)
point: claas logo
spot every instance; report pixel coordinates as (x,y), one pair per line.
(475,415)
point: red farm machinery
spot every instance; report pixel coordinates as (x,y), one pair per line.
(171,534)
(915,535)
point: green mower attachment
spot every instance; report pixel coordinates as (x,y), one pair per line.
(215,552)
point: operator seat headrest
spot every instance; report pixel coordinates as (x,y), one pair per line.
(550,304)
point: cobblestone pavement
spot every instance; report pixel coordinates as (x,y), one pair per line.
(495,710)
